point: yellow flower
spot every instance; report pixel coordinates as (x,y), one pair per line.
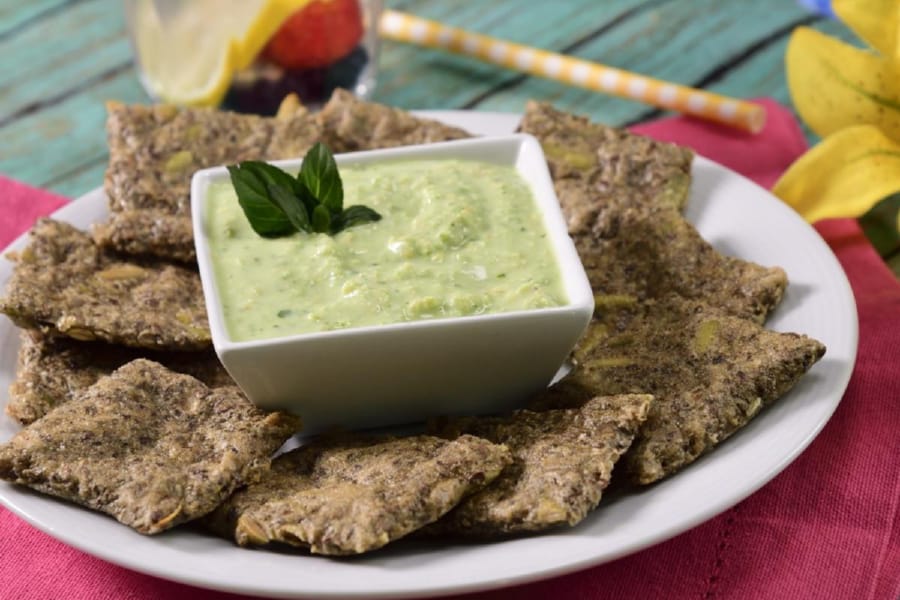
(851,97)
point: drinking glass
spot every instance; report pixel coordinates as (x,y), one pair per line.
(325,44)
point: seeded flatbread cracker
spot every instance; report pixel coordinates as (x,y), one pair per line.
(148,232)
(349,124)
(622,195)
(52,371)
(349,495)
(65,284)
(148,446)
(592,163)
(653,252)
(710,373)
(562,462)
(653,276)
(154,151)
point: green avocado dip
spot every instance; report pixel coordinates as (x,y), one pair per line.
(456,238)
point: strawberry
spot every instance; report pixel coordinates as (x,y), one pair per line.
(317,35)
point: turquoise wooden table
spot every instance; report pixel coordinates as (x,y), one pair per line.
(61,59)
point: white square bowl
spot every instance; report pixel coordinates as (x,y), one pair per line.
(406,372)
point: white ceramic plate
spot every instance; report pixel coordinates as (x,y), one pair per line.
(737,217)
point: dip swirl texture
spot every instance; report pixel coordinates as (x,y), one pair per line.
(457,238)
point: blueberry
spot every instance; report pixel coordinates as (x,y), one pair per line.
(345,72)
(263,91)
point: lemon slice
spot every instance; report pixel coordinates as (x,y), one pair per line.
(189,50)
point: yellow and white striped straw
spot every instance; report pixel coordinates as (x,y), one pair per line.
(404,27)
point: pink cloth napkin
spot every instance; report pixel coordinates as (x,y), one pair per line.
(21,206)
(827,527)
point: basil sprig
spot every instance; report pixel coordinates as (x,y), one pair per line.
(278,204)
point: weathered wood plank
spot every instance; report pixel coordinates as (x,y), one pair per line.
(45,144)
(56,137)
(667,42)
(414,77)
(763,74)
(695,38)
(16,14)
(81,179)
(65,50)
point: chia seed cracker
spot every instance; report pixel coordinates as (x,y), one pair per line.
(562,462)
(64,284)
(52,371)
(150,447)
(622,195)
(652,252)
(348,495)
(349,124)
(592,163)
(710,374)
(154,151)
(659,285)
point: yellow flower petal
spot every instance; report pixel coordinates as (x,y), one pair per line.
(875,21)
(844,175)
(835,85)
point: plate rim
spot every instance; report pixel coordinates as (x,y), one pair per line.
(504,122)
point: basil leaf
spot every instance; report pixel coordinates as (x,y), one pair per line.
(309,201)
(276,203)
(321,219)
(265,218)
(320,175)
(292,207)
(356,215)
(272,175)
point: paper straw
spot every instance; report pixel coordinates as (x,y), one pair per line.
(404,27)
